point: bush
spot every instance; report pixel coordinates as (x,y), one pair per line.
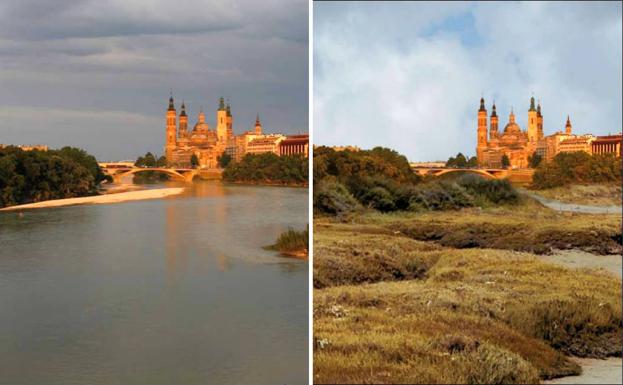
(577,167)
(331,197)
(268,168)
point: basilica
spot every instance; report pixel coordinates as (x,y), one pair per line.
(519,145)
(205,143)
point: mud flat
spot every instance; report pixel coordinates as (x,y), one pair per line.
(612,263)
(101,199)
(594,371)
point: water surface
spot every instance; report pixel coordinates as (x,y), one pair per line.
(171,291)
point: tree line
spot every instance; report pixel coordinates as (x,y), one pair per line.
(268,168)
(34,176)
(577,167)
(382,179)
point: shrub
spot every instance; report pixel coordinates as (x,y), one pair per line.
(332,197)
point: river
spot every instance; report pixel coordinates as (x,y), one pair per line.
(169,291)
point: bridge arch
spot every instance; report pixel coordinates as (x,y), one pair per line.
(176,175)
(484,173)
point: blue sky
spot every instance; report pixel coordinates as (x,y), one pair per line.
(409,76)
(97,74)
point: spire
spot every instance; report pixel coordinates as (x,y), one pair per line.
(228,108)
(183,113)
(221,104)
(538,108)
(568,122)
(482,105)
(257,120)
(171,106)
(494,112)
(568,126)
(532,104)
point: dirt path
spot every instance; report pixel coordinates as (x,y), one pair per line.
(584,209)
(594,371)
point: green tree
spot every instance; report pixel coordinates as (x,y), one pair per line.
(161,162)
(534,160)
(505,161)
(224,159)
(194,161)
(472,162)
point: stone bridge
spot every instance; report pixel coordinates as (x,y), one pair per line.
(120,170)
(519,176)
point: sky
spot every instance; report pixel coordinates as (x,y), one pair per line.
(409,76)
(97,74)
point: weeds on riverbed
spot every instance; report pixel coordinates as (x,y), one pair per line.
(291,242)
(458,316)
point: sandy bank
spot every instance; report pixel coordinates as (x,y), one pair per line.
(594,371)
(102,199)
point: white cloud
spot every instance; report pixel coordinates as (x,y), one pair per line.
(415,87)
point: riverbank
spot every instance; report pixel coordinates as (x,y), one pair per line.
(267,183)
(594,371)
(397,304)
(101,199)
(605,194)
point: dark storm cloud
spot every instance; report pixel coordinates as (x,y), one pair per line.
(97,74)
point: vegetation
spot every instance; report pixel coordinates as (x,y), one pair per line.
(381,179)
(436,314)
(577,167)
(194,161)
(224,159)
(150,160)
(268,168)
(292,243)
(34,176)
(460,161)
(534,160)
(506,163)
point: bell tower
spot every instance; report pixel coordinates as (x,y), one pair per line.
(171,131)
(568,126)
(539,122)
(183,131)
(221,122)
(482,132)
(258,126)
(493,131)
(532,122)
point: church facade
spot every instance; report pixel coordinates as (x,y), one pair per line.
(519,145)
(205,143)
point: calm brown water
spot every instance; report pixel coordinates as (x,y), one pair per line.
(172,291)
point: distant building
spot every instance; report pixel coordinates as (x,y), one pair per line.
(610,144)
(519,145)
(26,147)
(295,145)
(346,148)
(265,143)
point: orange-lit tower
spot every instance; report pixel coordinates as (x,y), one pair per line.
(482,131)
(568,126)
(258,125)
(183,131)
(493,131)
(221,122)
(539,121)
(171,131)
(230,122)
(532,122)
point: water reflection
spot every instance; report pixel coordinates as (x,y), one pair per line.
(166,291)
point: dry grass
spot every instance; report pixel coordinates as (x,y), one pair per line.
(527,227)
(397,310)
(599,194)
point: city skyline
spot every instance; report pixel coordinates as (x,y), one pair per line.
(420,70)
(98,76)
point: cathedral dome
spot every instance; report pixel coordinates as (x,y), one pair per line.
(512,127)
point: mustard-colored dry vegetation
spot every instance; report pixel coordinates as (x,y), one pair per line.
(392,306)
